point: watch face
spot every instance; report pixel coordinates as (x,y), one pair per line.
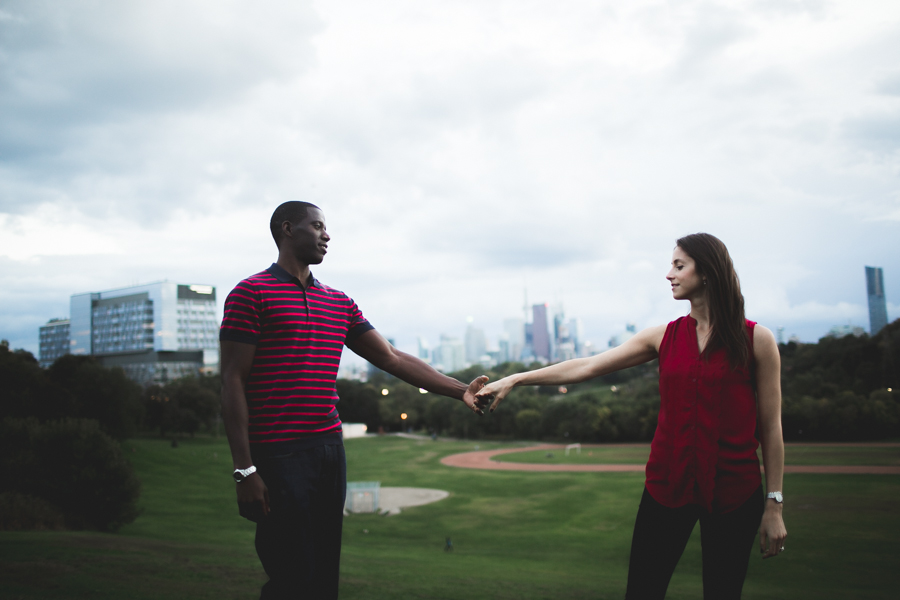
(238,477)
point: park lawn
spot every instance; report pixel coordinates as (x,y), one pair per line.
(795,454)
(515,535)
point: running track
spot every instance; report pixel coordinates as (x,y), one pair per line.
(482,460)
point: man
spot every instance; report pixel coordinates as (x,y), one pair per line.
(282,336)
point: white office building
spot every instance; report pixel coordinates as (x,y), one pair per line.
(155,332)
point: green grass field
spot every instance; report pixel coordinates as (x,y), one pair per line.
(515,534)
(634,455)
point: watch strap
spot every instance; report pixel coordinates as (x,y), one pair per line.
(242,474)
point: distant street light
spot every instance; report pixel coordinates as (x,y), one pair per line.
(403,416)
(384,392)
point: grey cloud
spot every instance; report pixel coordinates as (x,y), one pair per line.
(77,74)
(878,133)
(813,8)
(714,29)
(483,96)
(890,86)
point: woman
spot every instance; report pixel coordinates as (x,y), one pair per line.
(720,384)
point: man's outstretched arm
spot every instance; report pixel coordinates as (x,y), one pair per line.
(374,348)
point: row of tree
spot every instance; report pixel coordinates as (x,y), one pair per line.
(60,430)
(838,389)
(80,387)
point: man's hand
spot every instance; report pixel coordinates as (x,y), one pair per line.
(253,498)
(496,391)
(476,404)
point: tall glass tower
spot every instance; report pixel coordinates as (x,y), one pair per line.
(540,332)
(877,301)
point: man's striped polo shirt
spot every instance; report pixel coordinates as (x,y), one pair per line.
(299,335)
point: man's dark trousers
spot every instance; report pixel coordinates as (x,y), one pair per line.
(299,543)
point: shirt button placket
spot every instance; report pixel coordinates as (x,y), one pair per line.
(306,305)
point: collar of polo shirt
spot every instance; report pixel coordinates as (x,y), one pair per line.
(285,277)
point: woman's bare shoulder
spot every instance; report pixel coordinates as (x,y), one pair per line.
(652,336)
(763,341)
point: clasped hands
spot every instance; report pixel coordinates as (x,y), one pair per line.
(480,393)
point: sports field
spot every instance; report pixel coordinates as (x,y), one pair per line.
(794,454)
(515,534)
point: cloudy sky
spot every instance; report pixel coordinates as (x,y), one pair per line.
(462,151)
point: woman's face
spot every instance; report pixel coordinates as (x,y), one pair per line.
(686,282)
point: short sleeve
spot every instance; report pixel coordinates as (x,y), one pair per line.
(241,322)
(358,323)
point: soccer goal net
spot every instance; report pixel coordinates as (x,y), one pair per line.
(362,496)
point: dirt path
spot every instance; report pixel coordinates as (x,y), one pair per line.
(482,460)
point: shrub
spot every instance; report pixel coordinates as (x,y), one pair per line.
(21,512)
(71,465)
(103,394)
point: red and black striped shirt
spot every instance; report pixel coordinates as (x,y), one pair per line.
(299,335)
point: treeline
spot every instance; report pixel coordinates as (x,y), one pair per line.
(840,389)
(843,389)
(60,430)
(616,408)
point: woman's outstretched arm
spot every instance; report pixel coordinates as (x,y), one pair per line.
(642,348)
(768,397)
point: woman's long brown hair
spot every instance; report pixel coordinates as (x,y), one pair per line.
(728,328)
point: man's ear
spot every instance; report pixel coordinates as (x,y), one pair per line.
(287,229)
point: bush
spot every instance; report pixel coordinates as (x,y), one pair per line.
(21,512)
(528,423)
(73,387)
(844,417)
(184,405)
(105,395)
(71,465)
(25,390)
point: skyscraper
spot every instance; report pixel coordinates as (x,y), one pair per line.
(450,355)
(576,334)
(877,301)
(424,350)
(540,332)
(476,344)
(515,331)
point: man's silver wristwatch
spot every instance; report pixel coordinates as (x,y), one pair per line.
(242,474)
(776,496)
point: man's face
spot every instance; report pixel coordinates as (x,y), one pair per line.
(307,239)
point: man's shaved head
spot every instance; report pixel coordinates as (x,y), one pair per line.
(293,212)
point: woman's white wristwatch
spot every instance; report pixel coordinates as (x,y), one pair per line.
(242,474)
(776,496)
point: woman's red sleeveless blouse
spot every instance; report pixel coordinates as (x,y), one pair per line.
(704,448)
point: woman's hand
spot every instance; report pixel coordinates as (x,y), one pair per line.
(496,390)
(771,531)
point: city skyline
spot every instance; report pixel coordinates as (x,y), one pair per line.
(514,342)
